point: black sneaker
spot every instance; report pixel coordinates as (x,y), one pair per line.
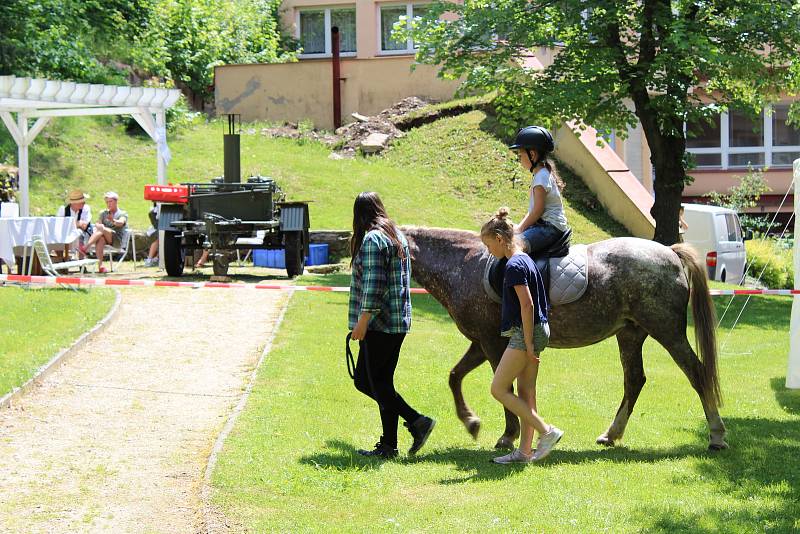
(420,430)
(380,451)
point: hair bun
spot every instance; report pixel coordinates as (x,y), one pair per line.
(502,213)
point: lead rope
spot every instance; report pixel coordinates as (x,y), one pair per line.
(351,365)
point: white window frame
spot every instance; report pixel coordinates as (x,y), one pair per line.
(328,43)
(725,150)
(410,46)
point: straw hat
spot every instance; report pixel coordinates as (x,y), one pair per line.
(76,195)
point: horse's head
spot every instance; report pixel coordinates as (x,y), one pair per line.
(411,232)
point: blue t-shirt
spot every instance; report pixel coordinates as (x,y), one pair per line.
(520,270)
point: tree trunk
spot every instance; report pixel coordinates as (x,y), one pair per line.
(668,186)
(666,155)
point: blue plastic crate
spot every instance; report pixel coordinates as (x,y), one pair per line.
(276,259)
(269,258)
(318,254)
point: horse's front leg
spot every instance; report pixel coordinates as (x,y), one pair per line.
(469,361)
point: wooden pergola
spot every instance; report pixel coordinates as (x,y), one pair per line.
(40,100)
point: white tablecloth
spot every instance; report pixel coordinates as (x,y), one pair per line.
(16,231)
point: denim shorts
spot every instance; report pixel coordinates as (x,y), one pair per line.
(541,337)
(540,236)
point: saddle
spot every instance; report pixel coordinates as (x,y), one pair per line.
(564,270)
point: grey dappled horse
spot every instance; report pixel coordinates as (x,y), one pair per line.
(636,288)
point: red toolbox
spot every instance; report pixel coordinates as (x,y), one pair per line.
(175,194)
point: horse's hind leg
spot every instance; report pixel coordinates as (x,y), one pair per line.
(681,351)
(469,361)
(630,340)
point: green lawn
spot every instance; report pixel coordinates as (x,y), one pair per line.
(451,173)
(37,323)
(290,463)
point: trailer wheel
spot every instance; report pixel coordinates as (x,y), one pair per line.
(174,253)
(220,264)
(295,254)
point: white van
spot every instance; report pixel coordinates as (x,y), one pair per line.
(716,234)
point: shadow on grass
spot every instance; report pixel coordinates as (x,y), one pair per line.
(761,458)
(341,456)
(201,276)
(760,471)
(478,465)
(788,399)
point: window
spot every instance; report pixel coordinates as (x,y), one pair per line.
(734,231)
(785,138)
(389,15)
(314,31)
(734,140)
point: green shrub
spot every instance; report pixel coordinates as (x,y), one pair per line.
(773,263)
(8,183)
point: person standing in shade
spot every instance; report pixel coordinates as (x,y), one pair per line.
(380,317)
(682,226)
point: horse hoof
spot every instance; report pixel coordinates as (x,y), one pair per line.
(504,443)
(474,427)
(717,446)
(605,441)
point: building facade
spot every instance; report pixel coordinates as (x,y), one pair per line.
(376,68)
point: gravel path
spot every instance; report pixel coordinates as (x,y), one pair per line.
(118,438)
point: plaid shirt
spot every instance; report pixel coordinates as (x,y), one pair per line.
(381,285)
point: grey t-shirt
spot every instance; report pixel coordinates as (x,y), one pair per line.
(107,219)
(553,207)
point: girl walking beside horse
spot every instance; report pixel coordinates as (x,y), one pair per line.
(524,322)
(380,317)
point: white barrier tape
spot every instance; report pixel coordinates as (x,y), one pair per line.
(115,282)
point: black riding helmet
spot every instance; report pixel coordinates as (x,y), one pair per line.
(534,138)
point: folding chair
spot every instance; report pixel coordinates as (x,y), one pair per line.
(126,243)
(50,268)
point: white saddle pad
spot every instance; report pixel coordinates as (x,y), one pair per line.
(569,276)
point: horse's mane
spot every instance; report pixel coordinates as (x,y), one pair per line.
(452,235)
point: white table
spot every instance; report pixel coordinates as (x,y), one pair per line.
(15,232)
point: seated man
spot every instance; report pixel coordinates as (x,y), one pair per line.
(81,213)
(109,229)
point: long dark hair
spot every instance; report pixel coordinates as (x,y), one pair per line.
(369,214)
(553,171)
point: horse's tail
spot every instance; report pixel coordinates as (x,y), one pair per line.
(705,321)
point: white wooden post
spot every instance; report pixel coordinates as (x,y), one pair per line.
(793,373)
(22,162)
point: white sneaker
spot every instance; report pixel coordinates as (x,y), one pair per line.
(514,457)
(546,442)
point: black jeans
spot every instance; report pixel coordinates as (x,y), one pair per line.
(374,377)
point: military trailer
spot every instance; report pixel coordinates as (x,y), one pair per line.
(226,215)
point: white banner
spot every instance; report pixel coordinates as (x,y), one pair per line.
(161,140)
(793,372)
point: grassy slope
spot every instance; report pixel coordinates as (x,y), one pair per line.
(451,173)
(37,323)
(290,463)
